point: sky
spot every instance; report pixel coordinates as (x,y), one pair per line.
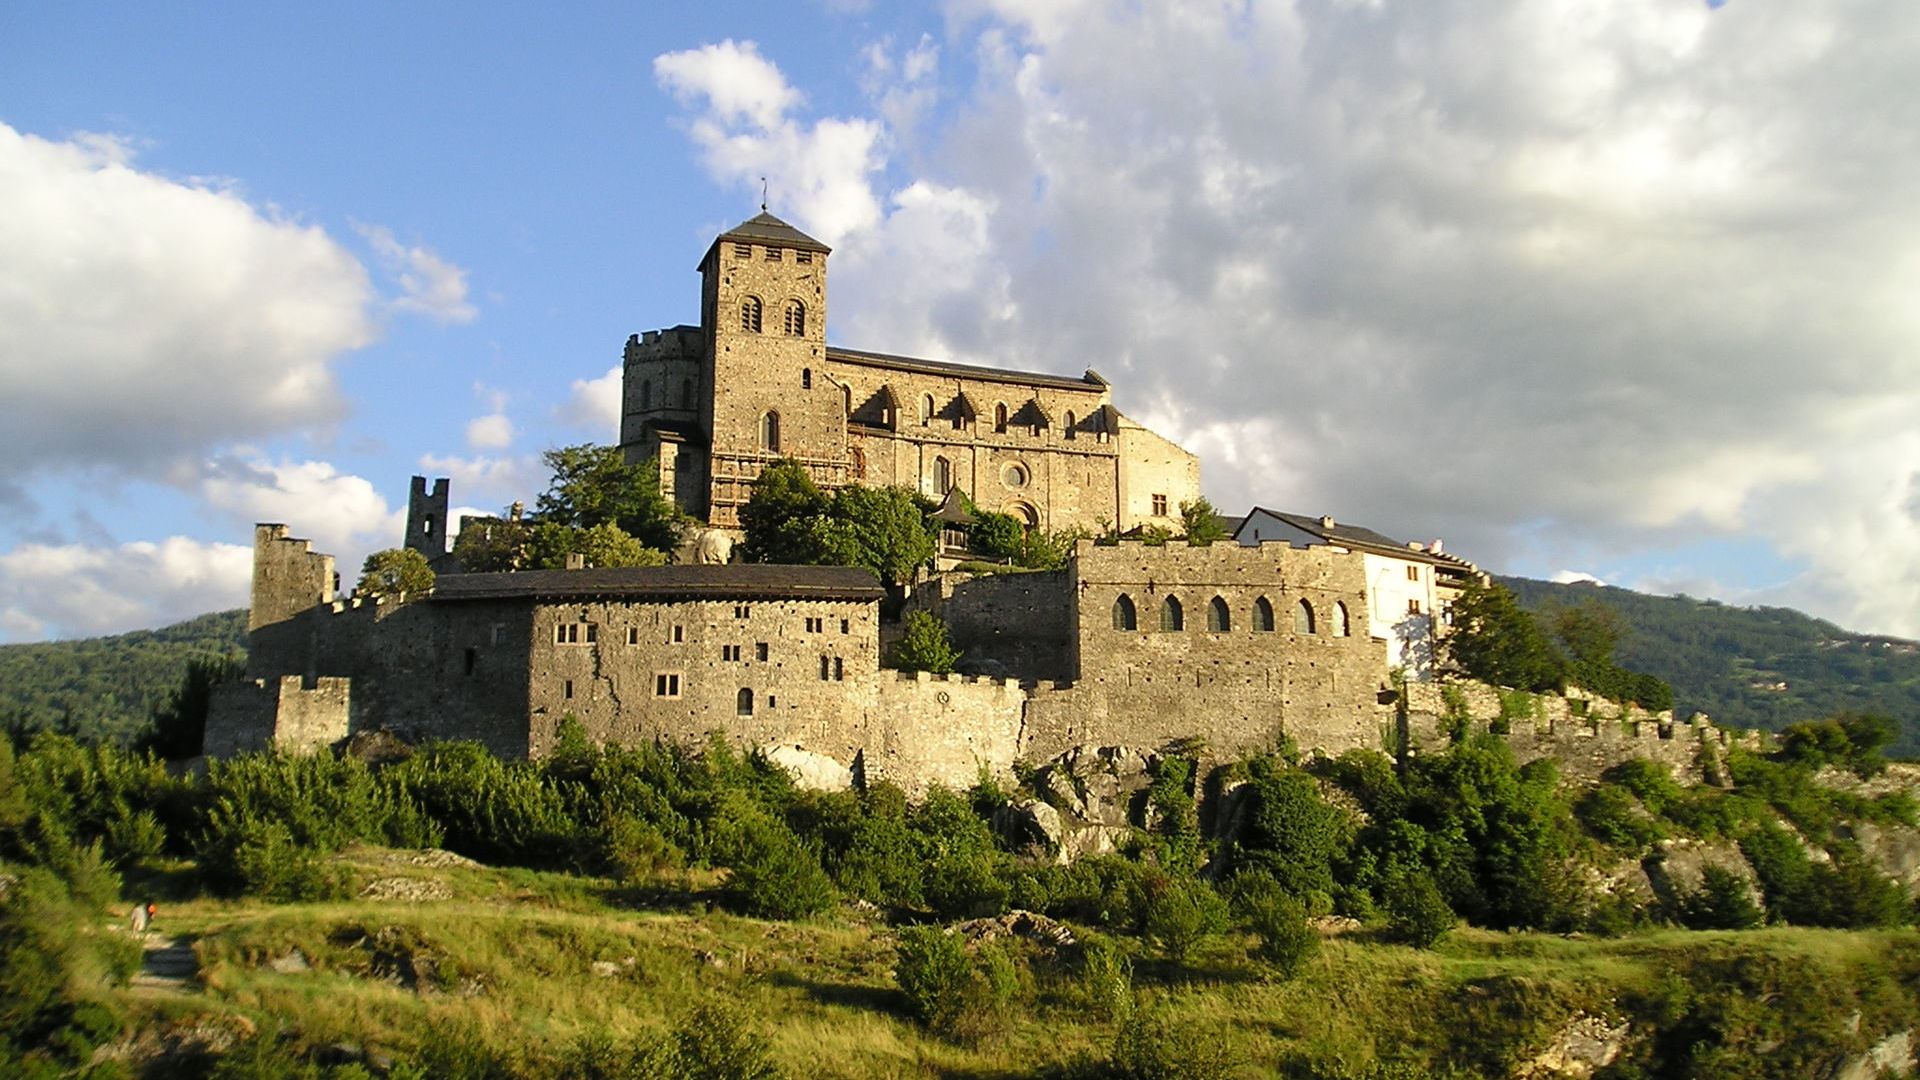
(1620,289)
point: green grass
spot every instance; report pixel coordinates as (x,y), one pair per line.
(509,960)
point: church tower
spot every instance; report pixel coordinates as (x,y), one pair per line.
(767,394)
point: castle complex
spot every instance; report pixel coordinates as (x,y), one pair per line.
(1299,628)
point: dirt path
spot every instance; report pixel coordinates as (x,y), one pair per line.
(169,963)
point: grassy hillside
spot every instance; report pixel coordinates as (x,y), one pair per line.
(105,687)
(511,973)
(1756,667)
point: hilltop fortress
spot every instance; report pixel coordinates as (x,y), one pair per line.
(1299,628)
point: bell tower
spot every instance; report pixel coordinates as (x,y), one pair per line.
(763,310)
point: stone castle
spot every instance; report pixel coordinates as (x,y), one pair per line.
(1299,628)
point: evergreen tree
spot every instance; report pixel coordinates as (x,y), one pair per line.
(1493,640)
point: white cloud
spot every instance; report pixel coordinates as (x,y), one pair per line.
(144,319)
(502,478)
(77,590)
(594,404)
(820,171)
(343,514)
(492,431)
(1575,577)
(429,285)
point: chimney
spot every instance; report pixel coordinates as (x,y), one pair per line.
(1326,522)
(576,561)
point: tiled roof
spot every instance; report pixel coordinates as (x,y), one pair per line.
(740,581)
(764,228)
(1357,537)
(963,371)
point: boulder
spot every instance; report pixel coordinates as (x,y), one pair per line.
(812,771)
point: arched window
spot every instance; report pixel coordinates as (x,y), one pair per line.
(1171,616)
(999,418)
(1262,615)
(646,393)
(1124,617)
(794,319)
(1066,427)
(1340,625)
(942,476)
(750,314)
(806,378)
(1219,620)
(686,393)
(846,399)
(743,702)
(1303,618)
(926,409)
(770,432)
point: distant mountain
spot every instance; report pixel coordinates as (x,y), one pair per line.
(1753,667)
(106,686)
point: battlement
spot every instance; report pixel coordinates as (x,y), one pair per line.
(1100,559)
(675,343)
(289,577)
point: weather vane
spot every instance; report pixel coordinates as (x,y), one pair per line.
(763,194)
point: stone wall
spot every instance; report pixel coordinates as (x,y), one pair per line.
(1006,624)
(289,577)
(1153,466)
(281,714)
(915,729)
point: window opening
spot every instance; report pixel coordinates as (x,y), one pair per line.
(1413,607)
(1124,617)
(846,625)
(839,669)
(815,625)
(804,258)
(666,684)
(1219,620)
(750,314)
(1303,618)
(646,393)
(633,635)
(926,409)
(743,702)
(999,419)
(1172,617)
(679,634)
(826,668)
(1066,426)
(741,611)
(794,320)
(743,251)
(1262,615)
(473,658)
(686,393)
(773,253)
(1340,625)
(806,378)
(566,690)
(942,476)
(760,653)
(729,652)
(1159,506)
(770,432)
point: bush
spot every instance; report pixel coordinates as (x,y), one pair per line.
(774,875)
(1106,979)
(1286,939)
(1180,914)
(717,1042)
(1156,1046)
(1722,902)
(951,993)
(924,646)
(1417,914)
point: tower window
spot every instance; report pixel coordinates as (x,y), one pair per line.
(926,409)
(1124,617)
(743,251)
(770,432)
(1262,615)
(1219,619)
(1303,618)
(794,319)
(804,258)
(1341,626)
(999,419)
(773,253)
(750,314)
(1066,427)
(806,378)
(646,393)
(1172,616)
(743,702)
(942,476)
(666,684)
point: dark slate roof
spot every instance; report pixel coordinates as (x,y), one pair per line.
(1090,384)
(764,228)
(739,581)
(953,509)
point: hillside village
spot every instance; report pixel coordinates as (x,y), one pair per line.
(1294,629)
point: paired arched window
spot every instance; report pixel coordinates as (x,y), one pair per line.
(1219,619)
(1341,628)
(770,432)
(1303,618)
(999,418)
(794,319)
(926,409)
(942,476)
(750,314)
(1262,616)
(1066,427)
(646,393)
(1124,617)
(1172,616)
(743,702)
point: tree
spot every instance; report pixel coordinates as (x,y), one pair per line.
(594,485)
(882,529)
(178,726)
(603,545)
(1201,522)
(492,546)
(785,517)
(1589,633)
(924,646)
(395,572)
(1493,640)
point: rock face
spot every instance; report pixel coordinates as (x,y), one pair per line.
(814,772)
(1090,798)
(1893,849)
(1891,1056)
(1681,864)
(1586,1045)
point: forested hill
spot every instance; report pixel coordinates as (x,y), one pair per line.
(1758,667)
(106,686)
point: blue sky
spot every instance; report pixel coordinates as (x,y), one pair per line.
(1583,287)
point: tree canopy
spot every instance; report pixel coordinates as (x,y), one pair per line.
(788,519)
(1496,642)
(395,572)
(594,485)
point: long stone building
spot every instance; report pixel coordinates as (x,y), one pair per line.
(756,381)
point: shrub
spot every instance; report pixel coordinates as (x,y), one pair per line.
(1722,902)
(933,971)
(1180,914)
(717,1042)
(1289,831)
(774,875)
(924,646)
(1416,913)
(1156,1046)
(1106,979)
(1286,939)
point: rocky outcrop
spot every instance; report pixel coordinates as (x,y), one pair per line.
(810,770)
(1089,798)
(1584,1046)
(1677,868)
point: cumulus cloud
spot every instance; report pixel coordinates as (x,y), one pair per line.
(78,590)
(502,478)
(429,285)
(744,130)
(144,319)
(343,514)
(594,404)
(1571,281)
(492,431)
